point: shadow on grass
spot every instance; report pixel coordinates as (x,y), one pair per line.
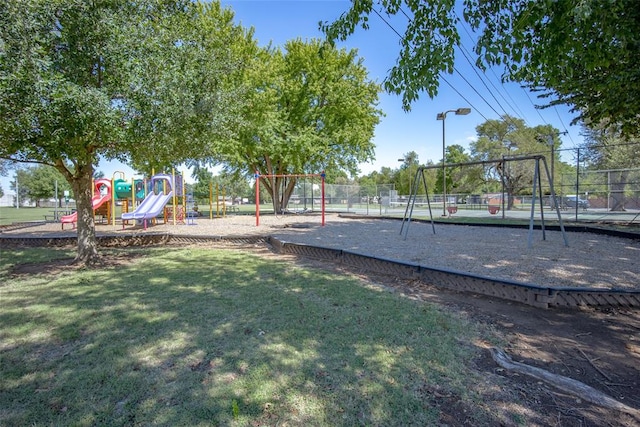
(196,337)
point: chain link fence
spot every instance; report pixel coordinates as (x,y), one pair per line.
(368,200)
(590,196)
(610,189)
(607,195)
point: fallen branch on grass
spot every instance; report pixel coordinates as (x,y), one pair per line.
(566,384)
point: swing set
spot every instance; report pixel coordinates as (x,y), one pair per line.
(537,187)
(257,176)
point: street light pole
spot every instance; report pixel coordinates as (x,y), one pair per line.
(405,161)
(443,116)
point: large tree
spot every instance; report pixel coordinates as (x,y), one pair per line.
(311,108)
(40,182)
(142,81)
(584,54)
(5,165)
(405,175)
(4,171)
(511,137)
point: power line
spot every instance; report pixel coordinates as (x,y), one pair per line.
(444,79)
(534,105)
(505,116)
(514,107)
(563,126)
(476,109)
(388,24)
(466,55)
(507,93)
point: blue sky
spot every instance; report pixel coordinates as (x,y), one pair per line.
(399,132)
(418,130)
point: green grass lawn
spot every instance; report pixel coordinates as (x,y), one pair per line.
(9,215)
(214,337)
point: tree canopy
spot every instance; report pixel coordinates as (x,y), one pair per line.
(143,81)
(582,54)
(509,137)
(310,108)
(40,182)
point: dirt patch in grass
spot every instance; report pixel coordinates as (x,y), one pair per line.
(57,266)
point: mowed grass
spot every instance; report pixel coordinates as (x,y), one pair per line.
(214,337)
(10,215)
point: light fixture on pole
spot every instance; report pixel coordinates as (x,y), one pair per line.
(442,116)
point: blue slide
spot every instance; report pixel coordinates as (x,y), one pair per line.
(153,204)
(150,207)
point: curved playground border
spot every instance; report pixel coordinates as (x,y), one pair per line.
(525,293)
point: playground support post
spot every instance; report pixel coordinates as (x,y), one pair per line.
(536,182)
(210,200)
(113,195)
(322,176)
(257,177)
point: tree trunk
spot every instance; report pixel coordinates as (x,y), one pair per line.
(280,197)
(510,195)
(87,253)
(617,185)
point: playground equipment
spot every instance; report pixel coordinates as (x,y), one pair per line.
(257,176)
(220,197)
(162,191)
(102,195)
(493,209)
(124,191)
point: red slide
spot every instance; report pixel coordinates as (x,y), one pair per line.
(96,201)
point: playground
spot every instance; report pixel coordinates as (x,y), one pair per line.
(596,346)
(590,260)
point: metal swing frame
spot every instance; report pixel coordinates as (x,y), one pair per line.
(537,188)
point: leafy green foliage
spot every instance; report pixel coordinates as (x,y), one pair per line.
(146,82)
(608,149)
(39,182)
(460,179)
(583,54)
(310,108)
(511,137)
(5,166)
(186,94)
(21,191)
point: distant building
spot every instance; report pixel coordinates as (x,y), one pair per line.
(8,199)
